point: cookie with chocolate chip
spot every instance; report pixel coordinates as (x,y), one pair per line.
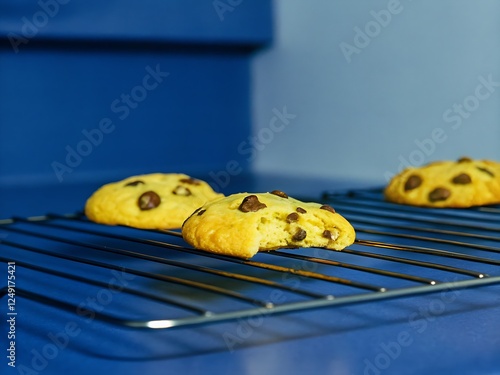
(149,201)
(242,224)
(462,183)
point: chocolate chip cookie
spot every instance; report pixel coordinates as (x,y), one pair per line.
(462,183)
(149,201)
(242,224)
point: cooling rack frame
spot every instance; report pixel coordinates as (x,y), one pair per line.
(372,218)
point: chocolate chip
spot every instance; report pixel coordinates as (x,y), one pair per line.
(328,234)
(190,180)
(251,204)
(439,194)
(279,193)
(487,171)
(328,208)
(413,182)
(135,183)
(299,235)
(181,190)
(464,159)
(148,200)
(462,179)
(294,216)
(300,210)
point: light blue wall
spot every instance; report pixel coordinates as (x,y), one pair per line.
(410,92)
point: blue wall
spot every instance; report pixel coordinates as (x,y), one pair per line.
(94,91)
(376,85)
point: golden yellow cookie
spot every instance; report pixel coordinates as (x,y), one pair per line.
(462,183)
(242,224)
(149,201)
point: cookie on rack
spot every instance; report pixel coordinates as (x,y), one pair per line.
(242,224)
(455,184)
(149,201)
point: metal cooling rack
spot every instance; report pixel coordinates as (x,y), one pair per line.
(400,251)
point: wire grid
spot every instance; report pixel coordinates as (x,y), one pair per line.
(400,251)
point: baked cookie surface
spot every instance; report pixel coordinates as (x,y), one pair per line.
(242,224)
(455,184)
(149,201)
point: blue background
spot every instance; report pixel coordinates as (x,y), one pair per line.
(61,70)
(363,115)
(232,74)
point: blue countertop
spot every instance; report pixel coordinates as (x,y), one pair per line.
(449,331)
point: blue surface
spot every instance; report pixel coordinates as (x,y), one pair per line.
(354,340)
(454,331)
